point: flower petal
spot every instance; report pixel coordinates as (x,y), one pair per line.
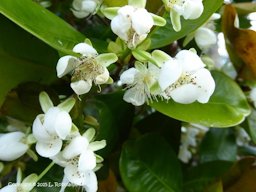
(50,120)
(39,130)
(49,148)
(205,38)
(65,65)
(81,87)
(80,14)
(63,124)
(85,49)
(170,72)
(87,161)
(102,78)
(160,57)
(10,188)
(11,147)
(142,21)
(128,76)
(91,184)
(193,9)
(189,61)
(74,176)
(120,25)
(135,96)
(75,147)
(106,59)
(180,94)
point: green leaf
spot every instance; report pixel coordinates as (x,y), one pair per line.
(165,35)
(199,177)
(23,58)
(114,116)
(42,23)
(149,165)
(218,144)
(227,107)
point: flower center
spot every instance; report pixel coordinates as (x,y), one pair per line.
(185,78)
(88,69)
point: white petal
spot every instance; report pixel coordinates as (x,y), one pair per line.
(10,146)
(10,188)
(135,96)
(206,84)
(81,87)
(87,161)
(39,130)
(205,38)
(89,6)
(80,14)
(50,120)
(50,148)
(77,4)
(170,73)
(65,65)
(126,10)
(128,76)
(193,9)
(185,94)
(63,124)
(64,183)
(142,21)
(74,176)
(77,145)
(102,78)
(120,25)
(60,160)
(85,49)
(189,61)
(91,184)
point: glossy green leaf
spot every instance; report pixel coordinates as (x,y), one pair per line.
(42,23)
(218,144)
(227,107)
(165,35)
(23,58)
(199,177)
(149,165)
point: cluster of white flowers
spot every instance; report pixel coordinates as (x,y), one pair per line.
(77,157)
(174,78)
(189,140)
(86,69)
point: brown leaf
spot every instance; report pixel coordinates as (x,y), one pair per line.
(241,177)
(241,44)
(108,185)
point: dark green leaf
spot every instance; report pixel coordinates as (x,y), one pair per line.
(165,35)
(227,107)
(149,165)
(218,144)
(23,58)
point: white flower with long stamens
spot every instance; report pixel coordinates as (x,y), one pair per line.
(51,128)
(83,8)
(189,9)
(87,69)
(12,146)
(133,22)
(80,161)
(185,79)
(139,80)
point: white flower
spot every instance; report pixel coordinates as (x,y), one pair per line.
(189,9)
(88,68)
(132,22)
(50,129)
(252,96)
(139,81)
(80,161)
(12,146)
(26,185)
(185,79)
(205,36)
(189,141)
(83,8)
